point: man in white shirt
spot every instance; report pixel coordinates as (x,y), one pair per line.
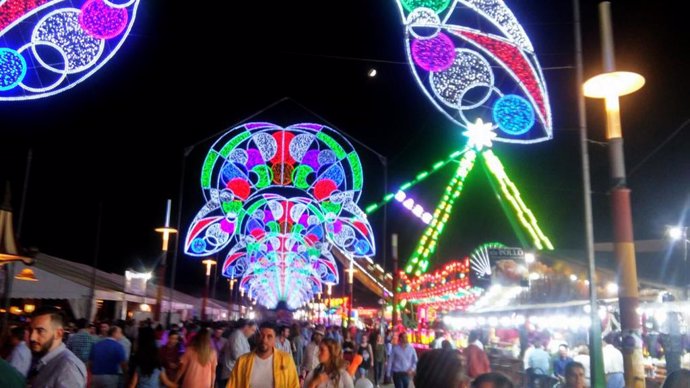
(20,358)
(283,343)
(236,345)
(311,351)
(613,364)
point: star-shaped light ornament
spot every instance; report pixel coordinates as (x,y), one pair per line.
(479,135)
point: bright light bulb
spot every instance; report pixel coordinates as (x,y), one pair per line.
(479,134)
(400,196)
(675,233)
(409,203)
(372,73)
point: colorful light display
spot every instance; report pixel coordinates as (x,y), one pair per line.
(475,63)
(47,47)
(468,56)
(280,198)
(448,288)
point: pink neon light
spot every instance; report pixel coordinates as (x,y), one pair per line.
(102,21)
(435,54)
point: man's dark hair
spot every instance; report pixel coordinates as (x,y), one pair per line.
(57,316)
(268,325)
(474,335)
(499,380)
(18,332)
(82,323)
(112,329)
(572,365)
(438,368)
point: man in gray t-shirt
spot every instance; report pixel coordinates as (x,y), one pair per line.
(56,367)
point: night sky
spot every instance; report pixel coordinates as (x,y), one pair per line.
(188,72)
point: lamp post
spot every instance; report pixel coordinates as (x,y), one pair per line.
(676,233)
(610,86)
(208,263)
(350,279)
(165,232)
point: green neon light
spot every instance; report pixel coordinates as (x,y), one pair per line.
(512,194)
(419,261)
(229,146)
(207,170)
(331,142)
(418,178)
(357,174)
(427,244)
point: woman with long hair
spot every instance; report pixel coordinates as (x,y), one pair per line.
(147,366)
(330,373)
(198,364)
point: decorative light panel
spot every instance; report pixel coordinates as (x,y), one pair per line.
(280,199)
(47,47)
(468,56)
(475,63)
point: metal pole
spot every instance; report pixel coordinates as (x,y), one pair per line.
(596,358)
(180,197)
(384,160)
(624,243)
(394,254)
(351,285)
(160,277)
(204,302)
(215,278)
(685,262)
(92,292)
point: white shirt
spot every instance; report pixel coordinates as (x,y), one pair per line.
(613,359)
(311,357)
(284,345)
(262,373)
(20,358)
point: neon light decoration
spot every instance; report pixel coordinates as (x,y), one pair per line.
(471,57)
(448,288)
(280,199)
(47,47)
(475,63)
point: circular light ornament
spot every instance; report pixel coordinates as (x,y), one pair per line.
(513,114)
(101,20)
(434,54)
(12,68)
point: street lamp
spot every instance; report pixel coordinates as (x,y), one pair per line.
(610,86)
(680,233)
(208,263)
(165,232)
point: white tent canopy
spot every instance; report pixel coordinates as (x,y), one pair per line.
(63,279)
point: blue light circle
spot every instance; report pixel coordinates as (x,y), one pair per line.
(198,245)
(513,114)
(12,68)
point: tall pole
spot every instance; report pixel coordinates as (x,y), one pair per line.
(350,282)
(204,303)
(394,254)
(96,252)
(180,197)
(596,357)
(685,262)
(165,231)
(610,86)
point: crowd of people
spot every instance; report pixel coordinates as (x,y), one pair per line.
(49,353)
